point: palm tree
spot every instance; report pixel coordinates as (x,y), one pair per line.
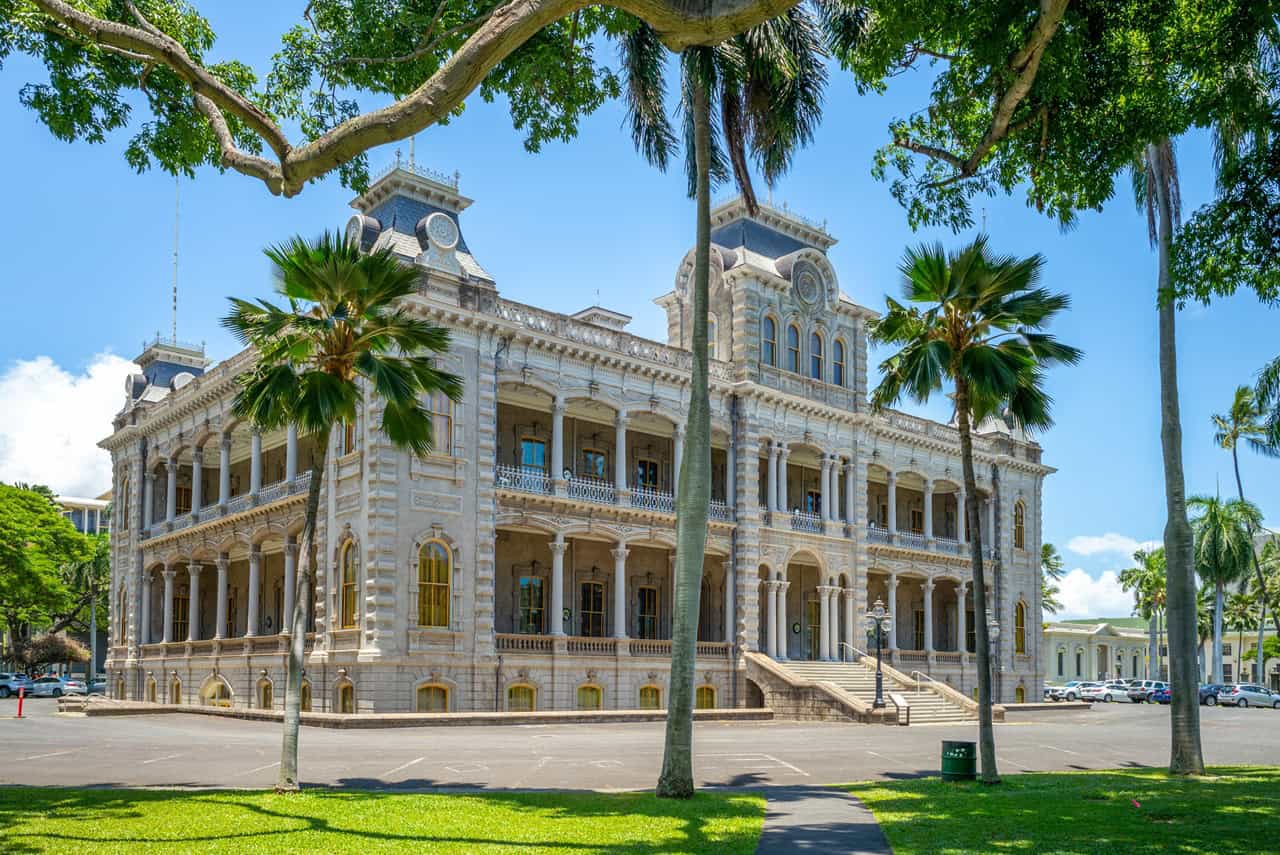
(1239,616)
(756,96)
(1223,549)
(1052,569)
(1147,581)
(344,331)
(1158,193)
(979,326)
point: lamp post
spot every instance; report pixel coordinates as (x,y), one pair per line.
(993,653)
(877,621)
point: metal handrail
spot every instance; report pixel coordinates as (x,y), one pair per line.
(920,688)
(851,647)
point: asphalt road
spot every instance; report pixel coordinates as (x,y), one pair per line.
(51,749)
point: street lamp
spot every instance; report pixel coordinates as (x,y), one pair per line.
(878,620)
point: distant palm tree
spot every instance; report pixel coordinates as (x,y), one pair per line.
(1239,616)
(1223,552)
(1146,579)
(1052,569)
(345,329)
(978,325)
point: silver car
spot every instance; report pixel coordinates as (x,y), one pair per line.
(1248,695)
(54,687)
(11,683)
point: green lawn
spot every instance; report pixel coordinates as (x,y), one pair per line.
(1233,809)
(320,821)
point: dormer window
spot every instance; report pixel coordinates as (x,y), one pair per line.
(815,356)
(793,348)
(769,341)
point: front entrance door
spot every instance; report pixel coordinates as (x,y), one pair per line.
(813,627)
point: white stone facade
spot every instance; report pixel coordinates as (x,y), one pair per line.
(527,561)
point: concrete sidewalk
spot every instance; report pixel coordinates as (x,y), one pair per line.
(819,819)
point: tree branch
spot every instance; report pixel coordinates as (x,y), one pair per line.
(232,156)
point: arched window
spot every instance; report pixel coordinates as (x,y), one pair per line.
(1020,695)
(175,691)
(704,698)
(521,698)
(793,348)
(216,694)
(769,341)
(121,616)
(347,565)
(706,612)
(347,699)
(589,697)
(1019,525)
(305,696)
(837,362)
(122,502)
(1020,628)
(650,698)
(266,697)
(434,564)
(815,356)
(711,338)
(433,699)
(151,689)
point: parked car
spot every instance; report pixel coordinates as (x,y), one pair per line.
(1248,695)
(1162,696)
(98,686)
(10,683)
(1209,693)
(1070,691)
(1145,690)
(55,687)
(1105,692)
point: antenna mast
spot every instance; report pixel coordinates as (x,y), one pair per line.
(177,186)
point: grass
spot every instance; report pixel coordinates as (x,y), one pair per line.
(325,821)
(1230,810)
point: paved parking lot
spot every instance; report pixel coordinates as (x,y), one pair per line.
(48,749)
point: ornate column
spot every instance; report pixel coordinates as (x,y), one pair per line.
(892,642)
(220,626)
(731,473)
(291,452)
(558,547)
(290,581)
(620,455)
(169,573)
(835,624)
(771,617)
(824,487)
(850,621)
(771,493)
(824,621)
(783,629)
(729,600)
(197,476)
(144,629)
(255,463)
(962,518)
(850,494)
(148,499)
(193,605)
(171,488)
(620,590)
(991,525)
(255,575)
(928,615)
(893,504)
(783,455)
(928,510)
(224,469)
(558,407)
(677,457)
(962,631)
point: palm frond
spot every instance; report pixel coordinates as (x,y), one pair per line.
(643,56)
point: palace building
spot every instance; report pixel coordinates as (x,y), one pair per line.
(527,562)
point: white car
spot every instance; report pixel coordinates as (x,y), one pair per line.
(1248,695)
(1105,692)
(55,687)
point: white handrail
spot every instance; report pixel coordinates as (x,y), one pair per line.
(851,647)
(920,688)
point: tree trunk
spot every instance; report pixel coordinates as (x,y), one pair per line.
(986,732)
(303,594)
(1185,756)
(92,670)
(1219,596)
(693,488)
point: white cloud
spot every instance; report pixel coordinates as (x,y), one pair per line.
(1093,544)
(1083,596)
(53,420)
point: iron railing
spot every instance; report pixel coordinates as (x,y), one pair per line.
(523,480)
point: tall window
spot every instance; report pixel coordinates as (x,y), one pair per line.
(592,610)
(305,696)
(151,689)
(793,348)
(706,612)
(711,338)
(434,564)
(122,502)
(122,616)
(1020,628)
(589,698)
(917,520)
(1020,695)
(647,617)
(347,565)
(1135,665)
(175,691)
(1062,655)
(433,699)
(533,454)
(704,698)
(918,626)
(441,408)
(531,616)
(815,356)
(183,503)
(348,437)
(1079,665)
(595,464)
(265,696)
(769,341)
(347,699)
(813,623)
(837,362)
(1020,526)
(181,617)
(650,698)
(521,699)
(647,474)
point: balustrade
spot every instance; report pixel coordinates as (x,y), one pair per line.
(650,499)
(801,521)
(876,534)
(719,511)
(593,490)
(508,642)
(911,540)
(592,646)
(523,480)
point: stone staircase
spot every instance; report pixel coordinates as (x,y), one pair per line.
(858,680)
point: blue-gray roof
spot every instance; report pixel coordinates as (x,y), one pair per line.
(757,238)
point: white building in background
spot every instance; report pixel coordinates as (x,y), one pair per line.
(89,516)
(527,562)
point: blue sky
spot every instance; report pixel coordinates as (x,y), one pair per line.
(90,262)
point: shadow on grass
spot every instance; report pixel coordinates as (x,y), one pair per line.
(1230,810)
(325,819)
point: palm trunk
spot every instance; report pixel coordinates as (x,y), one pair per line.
(303,594)
(693,487)
(1219,596)
(1186,757)
(986,732)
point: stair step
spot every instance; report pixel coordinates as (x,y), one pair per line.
(859,681)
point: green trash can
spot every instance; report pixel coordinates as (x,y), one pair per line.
(959,760)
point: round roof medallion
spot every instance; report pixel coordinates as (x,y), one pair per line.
(442,230)
(808,283)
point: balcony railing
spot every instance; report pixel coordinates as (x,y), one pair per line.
(581,646)
(523,480)
(911,539)
(719,511)
(650,499)
(801,521)
(245,501)
(950,545)
(593,490)
(511,642)
(876,534)
(650,647)
(236,504)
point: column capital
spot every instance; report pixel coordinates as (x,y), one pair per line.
(621,420)
(225,439)
(559,404)
(171,459)
(928,485)
(291,548)
(169,573)
(847,593)
(891,476)
(928,583)
(783,585)
(194,568)
(255,552)
(558,546)
(620,552)
(223,562)
(197,454)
